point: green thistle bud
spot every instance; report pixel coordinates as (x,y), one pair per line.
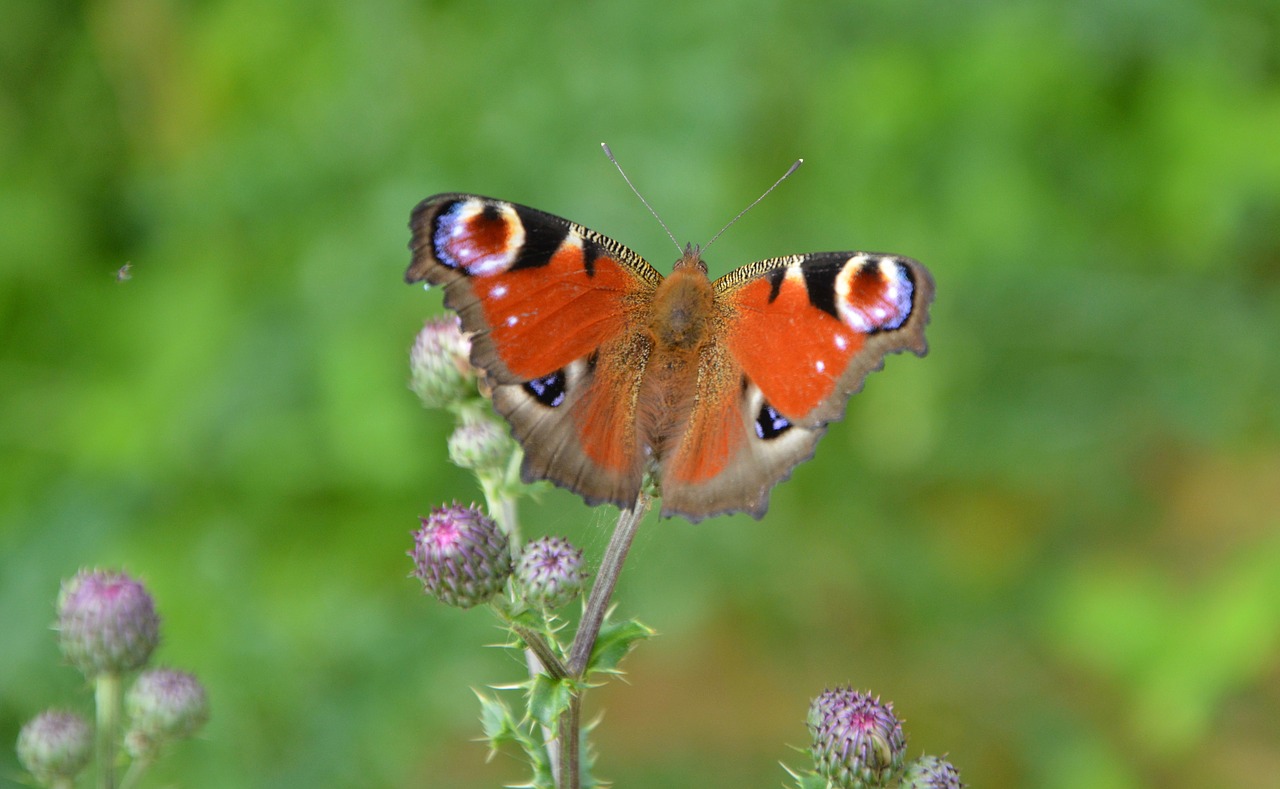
(163,705)
(107,622)
(549,573)
(930,772)
(440,366)
(55,746)
(480,445)
(460,556)
(857,741)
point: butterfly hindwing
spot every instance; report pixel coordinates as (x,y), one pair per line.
(734,450)
(577,428)
(554,311)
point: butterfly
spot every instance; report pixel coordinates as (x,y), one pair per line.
(610,374)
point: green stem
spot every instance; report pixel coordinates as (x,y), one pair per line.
(107,698)
(584,641)
(132,775)
(606,579)
(539,656)
(549,662)
(568,763)
(502,508)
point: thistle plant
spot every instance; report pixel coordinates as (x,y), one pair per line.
(857,741)
(550,573)
(476,556)
(460,556)
(55,746)
(931,772)
(108,628)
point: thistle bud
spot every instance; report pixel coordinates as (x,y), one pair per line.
(55,746)
(930,772)
(439,363)
(163,705)
(460,556)
(857,741)
(107,622)
(480,445)
(549,573)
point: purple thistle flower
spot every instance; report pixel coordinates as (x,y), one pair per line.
(931,772)
(163,705)
(439,363)
(107,622)
(549,573)
(55,746)
(460,556)
(857,741)
(480,445)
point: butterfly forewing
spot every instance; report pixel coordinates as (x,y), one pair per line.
(807,329)
(536,291)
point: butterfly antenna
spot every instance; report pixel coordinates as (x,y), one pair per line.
(609,153)
(784,177)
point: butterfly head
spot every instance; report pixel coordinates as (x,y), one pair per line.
(691,259)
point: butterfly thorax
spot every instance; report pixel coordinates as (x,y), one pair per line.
(680,326)
(678,318)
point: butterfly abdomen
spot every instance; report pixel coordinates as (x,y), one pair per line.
(679,326)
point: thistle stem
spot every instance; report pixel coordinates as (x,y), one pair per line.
(584,640)
(606,580)
(568,770)
(541,650)
(538,654)
(502,508)
(137,767)
(107,699)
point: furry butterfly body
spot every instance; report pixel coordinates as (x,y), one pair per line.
(607,371)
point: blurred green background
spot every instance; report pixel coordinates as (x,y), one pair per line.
(1053,542)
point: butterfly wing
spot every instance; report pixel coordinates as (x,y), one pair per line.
(794,338)
(555,312)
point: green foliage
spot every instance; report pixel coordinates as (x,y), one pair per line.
(548,698)
(615,641)
(1053,539)
(808,779)
(501,729)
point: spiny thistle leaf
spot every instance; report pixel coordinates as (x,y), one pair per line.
(497,722)
(808,779)
(614,642)
(548,698)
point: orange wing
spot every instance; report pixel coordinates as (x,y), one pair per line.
(807,329)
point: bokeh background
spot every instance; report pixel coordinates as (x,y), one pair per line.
(1054,543)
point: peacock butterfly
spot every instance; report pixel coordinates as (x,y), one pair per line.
(607,371)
